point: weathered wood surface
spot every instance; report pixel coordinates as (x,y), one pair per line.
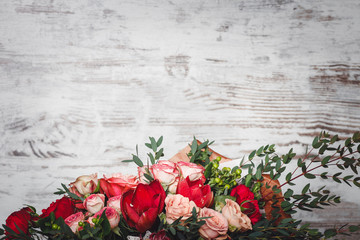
(83,82)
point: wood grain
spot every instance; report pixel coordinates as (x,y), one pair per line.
(83,82)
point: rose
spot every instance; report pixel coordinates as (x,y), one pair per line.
(114,202)
(215,227)
(178,206)
(63,207)
(73,221)
(140,207)
(191,170)
(245,198)
(236,219)
(111,214)
(94,202)
(242,193)
(196,191)
(167,173)
(161,235)
(19,219)
(85,184)
(117,184)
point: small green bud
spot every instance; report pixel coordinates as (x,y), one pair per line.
(215,165)
(54,226)
(81,224)
(227,186)
(238,171)
(218,158)
(217,180)
(226,169)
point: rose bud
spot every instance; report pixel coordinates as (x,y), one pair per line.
(114,202)
(73,221)
(140,207)
(236,219)
(167,173)
(85,184)
(191,170)
(215,227)
(111,214)
(94,203)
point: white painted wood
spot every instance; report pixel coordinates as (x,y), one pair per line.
(83,82)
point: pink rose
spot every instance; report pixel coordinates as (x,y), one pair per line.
(94,203)
(111,214)
(167,174)
(114,202)
(85,184)
(117,184)
(191,170)
(178,206)
(214,227)
(236,219)
(73,221)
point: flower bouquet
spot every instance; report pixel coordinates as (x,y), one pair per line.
(190,196)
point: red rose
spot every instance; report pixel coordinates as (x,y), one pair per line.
(196,191)
(117,184)
(22,219)
(63,207)
(159,236)
(245,198)
(141,206)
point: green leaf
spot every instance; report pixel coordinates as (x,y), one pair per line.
(159,141)
(356,182)
(316,144)
(309,176)
(153,144)
(248,180)
(159,154)
(330,233)
(288,177)
(288,193)
(194,146)
(259,151)
(252,154)
(137,160)
(305,189)
(354,228)
(325,160)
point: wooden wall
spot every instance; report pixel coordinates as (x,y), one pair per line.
(83,82)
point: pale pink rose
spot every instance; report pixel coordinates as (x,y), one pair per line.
(85,184)
(178,206)
(141,171)
(215,227)
(117,184)
(236,219)
(94,202)
(114,202)
(111,214)
(73,221)
(191,170)
(166,172)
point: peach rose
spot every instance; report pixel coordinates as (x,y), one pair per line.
(94,203)
(191,170)
(117,184)
(114,202)
(236,219)
(167,173)
(215,227)
(73,221)
(85,184)
(178,206)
